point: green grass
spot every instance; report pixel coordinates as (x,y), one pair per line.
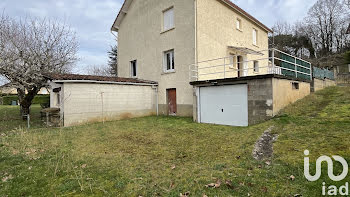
(137,156)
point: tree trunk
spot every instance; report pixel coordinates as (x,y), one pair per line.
(25,100)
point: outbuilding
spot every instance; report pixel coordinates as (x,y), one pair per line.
(87,98)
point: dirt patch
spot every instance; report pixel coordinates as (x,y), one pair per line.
(263,149)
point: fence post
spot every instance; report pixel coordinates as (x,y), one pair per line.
(311,72)
(295,67)
(224,68)
(28,121)
(273,60)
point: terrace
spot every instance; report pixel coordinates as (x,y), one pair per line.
(271,61)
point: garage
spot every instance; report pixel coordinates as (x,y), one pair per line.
(224,105)
(85,98)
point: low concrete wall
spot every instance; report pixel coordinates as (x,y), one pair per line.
(285,94)
(89,102)
(319,84)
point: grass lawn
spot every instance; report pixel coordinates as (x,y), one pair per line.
(166,156)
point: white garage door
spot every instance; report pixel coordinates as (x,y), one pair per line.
(225,105)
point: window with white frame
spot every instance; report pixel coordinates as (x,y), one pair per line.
(239,24)
(256,66)
(168,19)
(133,68)
(169,63)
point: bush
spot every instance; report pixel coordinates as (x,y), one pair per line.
(347,57)
(39,99)
(7,100)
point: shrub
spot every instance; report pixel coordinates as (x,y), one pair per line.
(39,99)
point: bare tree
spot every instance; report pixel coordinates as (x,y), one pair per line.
(326,26)
(101,70)
(31,48)
(347,2)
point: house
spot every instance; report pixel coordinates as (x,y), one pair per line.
(8,89)
(85,98)
(159,39)
(210,58)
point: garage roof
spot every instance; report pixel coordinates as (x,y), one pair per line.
(127,3)
(87,78)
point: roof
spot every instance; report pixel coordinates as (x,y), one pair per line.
(7,85)
(246,14)
(127,3)
(246,50)
(89,78)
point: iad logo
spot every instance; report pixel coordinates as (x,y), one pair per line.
(330,167)
(332,190)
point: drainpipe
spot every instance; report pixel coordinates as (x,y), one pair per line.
(116,36)
(157,101)
(156,90)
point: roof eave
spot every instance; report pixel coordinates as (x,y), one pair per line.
(244,13)
(122,12)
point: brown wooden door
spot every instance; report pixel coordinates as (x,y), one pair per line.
(239,65)
(172,101)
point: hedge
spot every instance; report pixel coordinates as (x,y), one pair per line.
(39,99)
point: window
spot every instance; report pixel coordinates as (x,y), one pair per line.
(295,86)
(169,64)
(168,19)
(256,66)
(255,37)
(58,99)
(239,24)
(133,68)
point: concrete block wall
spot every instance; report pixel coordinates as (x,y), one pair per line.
(260,100)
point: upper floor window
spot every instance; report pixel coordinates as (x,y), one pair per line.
(255,37)
(168,19)
(239,24)
(133,68)
(169,63)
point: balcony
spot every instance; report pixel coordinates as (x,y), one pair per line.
(272,61)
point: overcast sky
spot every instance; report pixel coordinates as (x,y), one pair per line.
(92,19)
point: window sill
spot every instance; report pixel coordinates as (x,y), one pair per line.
(167,30)
(168,72)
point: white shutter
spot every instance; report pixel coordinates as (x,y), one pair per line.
(254,36)
(168,19)
(238,24)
